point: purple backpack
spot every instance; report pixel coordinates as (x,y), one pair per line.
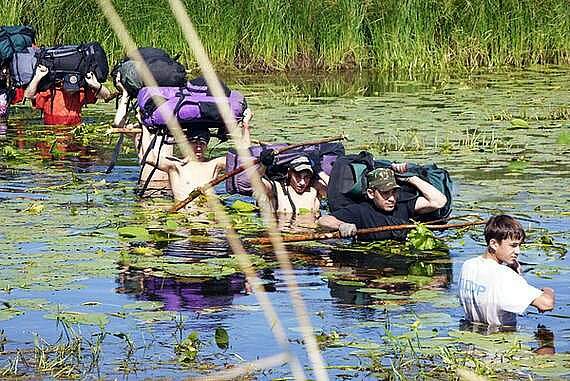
(322,156)
(192,105)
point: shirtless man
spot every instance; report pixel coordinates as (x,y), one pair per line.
(300,192)
(185,175)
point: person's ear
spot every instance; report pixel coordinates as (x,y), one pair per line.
(370,193)
(493,245)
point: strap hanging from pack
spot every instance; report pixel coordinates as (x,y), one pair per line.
(288,194)
(119,144)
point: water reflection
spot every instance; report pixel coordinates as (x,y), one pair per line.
(319,86)
(348,270)
(49,142)
(182,294)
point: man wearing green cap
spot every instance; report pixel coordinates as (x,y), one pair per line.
(381,207)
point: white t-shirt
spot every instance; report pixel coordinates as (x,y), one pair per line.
(492,293)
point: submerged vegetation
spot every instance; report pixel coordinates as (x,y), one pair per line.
(272,35)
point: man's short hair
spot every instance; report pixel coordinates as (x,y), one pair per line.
(503,227)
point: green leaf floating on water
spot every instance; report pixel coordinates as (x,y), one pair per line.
(171,224)
(145,250)
(372,290)
(243,207)
(520,123)
(134,231)
(29,304)
(494,343)
(517,165)
(563,138)
(552,367)
(383,296)
(222,338)
(9,313)
(144,305)
(153,316)
(72,317)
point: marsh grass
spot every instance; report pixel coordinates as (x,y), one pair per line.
(271,35)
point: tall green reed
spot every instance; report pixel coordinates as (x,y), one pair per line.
(389,35)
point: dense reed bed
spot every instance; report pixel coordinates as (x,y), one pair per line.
(398,35)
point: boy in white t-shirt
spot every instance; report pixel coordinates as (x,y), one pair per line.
(491,288)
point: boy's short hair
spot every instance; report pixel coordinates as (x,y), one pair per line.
(502,227)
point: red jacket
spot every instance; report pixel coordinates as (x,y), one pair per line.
(60,107)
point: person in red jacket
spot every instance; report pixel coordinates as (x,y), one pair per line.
(63,106)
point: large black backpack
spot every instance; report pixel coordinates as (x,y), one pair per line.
(166,71)
(14,39)
(348,184)
(72,63)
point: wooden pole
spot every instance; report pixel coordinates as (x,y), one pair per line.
(212,183)
(359,232)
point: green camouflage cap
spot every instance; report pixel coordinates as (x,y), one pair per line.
(382,179)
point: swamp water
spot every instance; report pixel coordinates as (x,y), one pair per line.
(69,232)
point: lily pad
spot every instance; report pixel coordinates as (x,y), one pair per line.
(371,290)
(243,207)
(146,250)
(222,338)
(493,343)
(144,305)
(72,317)
(563,138)
(520,123)
(133,231)
(386,296)
(351,283)
(153,316)
(9,313)
(29,304)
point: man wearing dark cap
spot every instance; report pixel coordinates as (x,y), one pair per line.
(300,191)
(381,207)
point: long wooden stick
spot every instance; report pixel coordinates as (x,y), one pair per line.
(212,183)
(360,232)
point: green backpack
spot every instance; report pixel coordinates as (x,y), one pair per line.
(14,39)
